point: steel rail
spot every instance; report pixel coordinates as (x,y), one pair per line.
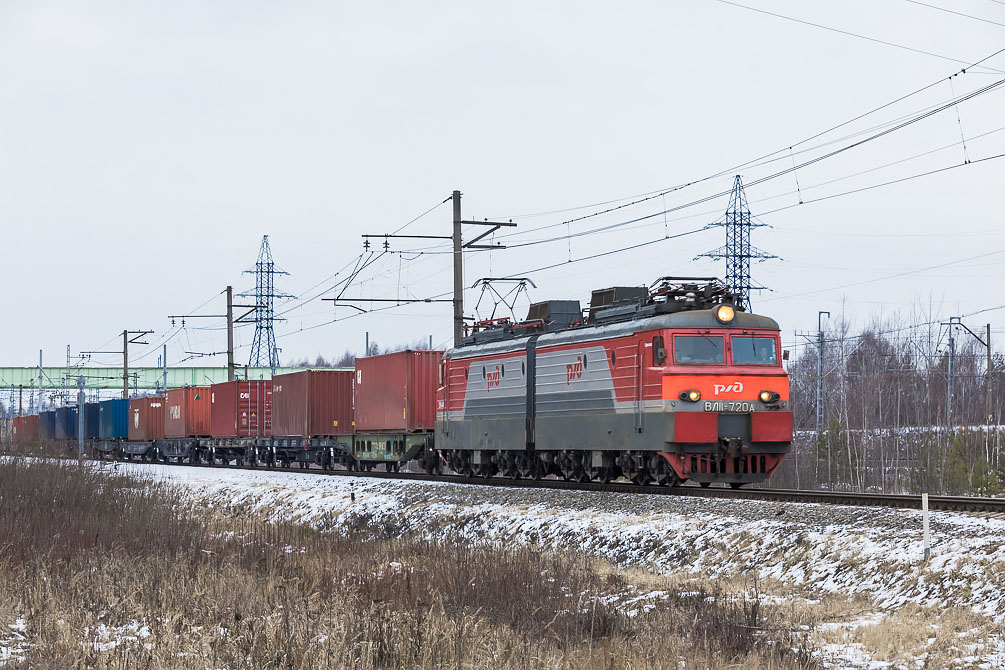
(900,501)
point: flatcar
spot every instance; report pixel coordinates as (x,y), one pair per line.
(663,385)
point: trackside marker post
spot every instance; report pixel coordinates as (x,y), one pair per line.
(924,523)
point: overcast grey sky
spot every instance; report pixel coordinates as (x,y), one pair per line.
(145,148)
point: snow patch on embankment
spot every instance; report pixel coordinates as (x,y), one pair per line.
(873,552)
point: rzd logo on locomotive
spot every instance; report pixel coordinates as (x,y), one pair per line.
(492,378)
(735,387)
(574,370)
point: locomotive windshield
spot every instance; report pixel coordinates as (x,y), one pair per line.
(754,351)
(698,349)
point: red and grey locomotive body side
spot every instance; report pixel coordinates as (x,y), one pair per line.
(610,400)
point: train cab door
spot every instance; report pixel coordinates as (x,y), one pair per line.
(640,379)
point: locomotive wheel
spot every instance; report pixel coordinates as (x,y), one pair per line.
(511,467)
(525,465)
(664,475)
(641,477)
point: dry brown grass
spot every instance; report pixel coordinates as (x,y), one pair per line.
(89,559)
(941,637)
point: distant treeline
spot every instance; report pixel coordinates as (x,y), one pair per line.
(348,357)
(891,419)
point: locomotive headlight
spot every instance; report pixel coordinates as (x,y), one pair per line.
(725,313)
(769,396)
(694,395)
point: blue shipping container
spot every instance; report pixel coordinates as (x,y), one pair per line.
(113,419)
(91,420)
(66,423)
(47,425)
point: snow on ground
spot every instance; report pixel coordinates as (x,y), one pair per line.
(824,548)
(106,638)
(13,643)
(815,550)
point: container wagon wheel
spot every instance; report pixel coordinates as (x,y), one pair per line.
(602,475)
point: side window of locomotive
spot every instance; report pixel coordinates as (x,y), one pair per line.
(750,350)
(698,349)
(659,351)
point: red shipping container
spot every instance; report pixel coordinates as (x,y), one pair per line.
(16,429)
(29,427)
(241,409)
(312,403)
(146,418)
(188,412)
(397,391)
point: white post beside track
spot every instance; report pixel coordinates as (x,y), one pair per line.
(924,522)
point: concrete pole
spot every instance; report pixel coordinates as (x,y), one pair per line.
(80,419)
(458,273)
(949,382)
(164,373)
(39,380)
(125,363)
(987,399)
(820,388)
(230,333)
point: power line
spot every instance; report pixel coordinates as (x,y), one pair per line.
(436,206)
(910,120)
(784,171)
(851,34)
(891,182)
(703,228)
(950,11)
(892,276)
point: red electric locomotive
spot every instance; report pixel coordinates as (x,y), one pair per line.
(665,384)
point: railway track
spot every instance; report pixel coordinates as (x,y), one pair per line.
(986,506)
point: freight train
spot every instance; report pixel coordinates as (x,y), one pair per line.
(660,384)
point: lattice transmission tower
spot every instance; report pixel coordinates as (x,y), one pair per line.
(738,251)
(264,352)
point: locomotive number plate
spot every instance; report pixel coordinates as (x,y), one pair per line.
(728,406)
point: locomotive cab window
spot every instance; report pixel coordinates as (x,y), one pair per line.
(698,349)
(754,351)
(659,351)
